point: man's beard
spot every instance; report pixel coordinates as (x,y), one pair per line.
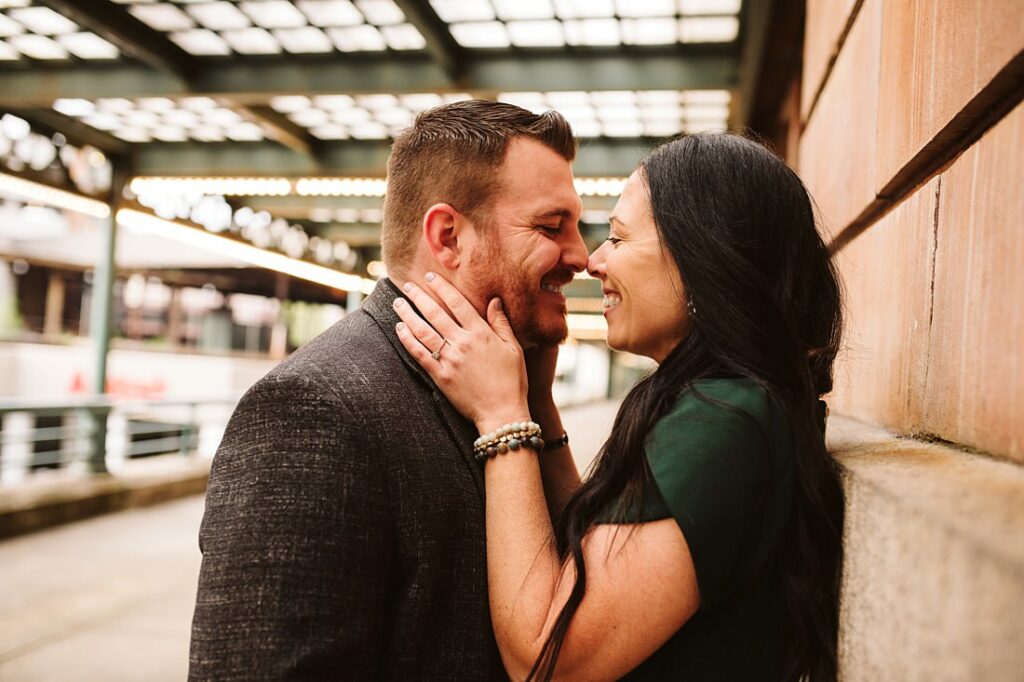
(491,275)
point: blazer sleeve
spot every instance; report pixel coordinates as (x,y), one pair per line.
(296,541)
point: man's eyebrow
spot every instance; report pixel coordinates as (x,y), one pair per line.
(556,213)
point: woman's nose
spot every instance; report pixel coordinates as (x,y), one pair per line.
(595,264)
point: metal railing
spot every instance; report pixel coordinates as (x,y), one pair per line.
(99,434)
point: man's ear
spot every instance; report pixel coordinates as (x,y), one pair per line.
(442,231)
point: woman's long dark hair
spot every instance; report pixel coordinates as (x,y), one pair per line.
(740,227)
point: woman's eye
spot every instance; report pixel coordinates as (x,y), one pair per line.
(614,240)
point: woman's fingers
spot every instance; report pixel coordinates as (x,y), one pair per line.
(435,314)
(416,349)
(461,308)
(426,335)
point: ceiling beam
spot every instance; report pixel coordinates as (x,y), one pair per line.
(441,45)
(255,82)
(343,158)
(113,23)
(277,126)
(73,130)
(757,19)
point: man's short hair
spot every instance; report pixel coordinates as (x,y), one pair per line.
(453,154)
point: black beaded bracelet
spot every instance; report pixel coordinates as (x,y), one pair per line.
(558,442)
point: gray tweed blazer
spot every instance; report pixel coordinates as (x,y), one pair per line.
(343,537)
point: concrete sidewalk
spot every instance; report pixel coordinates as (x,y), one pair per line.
(110,598)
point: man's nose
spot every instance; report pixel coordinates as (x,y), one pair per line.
(574,252)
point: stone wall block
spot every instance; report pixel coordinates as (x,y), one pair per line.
(837,150)
(886,274)
(975,382)
(824,24)
(936,55)
(933,576)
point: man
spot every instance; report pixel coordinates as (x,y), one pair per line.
(344,528)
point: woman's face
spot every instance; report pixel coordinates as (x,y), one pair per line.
(644,300)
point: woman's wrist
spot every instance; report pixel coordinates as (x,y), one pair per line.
(494,421)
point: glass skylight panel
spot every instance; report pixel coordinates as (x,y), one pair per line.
(523,9)
(707,97)
(43,20)
(586,129)
(74,107)
(102,121)
(286,104)
(403,37)
(331,131)
(708,29)
(307,39)
(369,131)
(381,101)
(645,8)
(480,34)
(169,134)
(381,12)
(156,104)
(396,117)
(9,27)
(658,97)
(274,14)
(88,46)
(221,116)
(8,53)
(707,111)
(198,103)
(252,41)
(208,134)
(37,47)
(133,135)
(332,102)
(421,102)
(201,42)
(536,33)
(351,116)
(142,119)
(245,132)
(533,101)
(363,38)
(613,98)
(568,99)
(330,12)
(692,7)
(308,118)
(218,16)
(182,117)
(4,4)
(455,11)
(162,17)
(584,9)
(592,32)
(656,31)
(622,129)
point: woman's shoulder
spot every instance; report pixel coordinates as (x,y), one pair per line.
(723,401)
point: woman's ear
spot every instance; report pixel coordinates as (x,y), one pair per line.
(442,232)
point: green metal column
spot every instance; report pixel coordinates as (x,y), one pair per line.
(99,322)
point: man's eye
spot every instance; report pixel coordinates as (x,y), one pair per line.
(551,231)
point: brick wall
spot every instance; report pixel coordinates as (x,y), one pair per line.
(912,145)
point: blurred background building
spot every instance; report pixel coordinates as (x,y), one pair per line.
(191,189)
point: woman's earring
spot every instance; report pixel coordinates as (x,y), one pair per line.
(691,308)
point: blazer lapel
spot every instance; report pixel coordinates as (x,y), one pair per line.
(380,307)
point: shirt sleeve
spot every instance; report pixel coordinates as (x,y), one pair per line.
(710,459)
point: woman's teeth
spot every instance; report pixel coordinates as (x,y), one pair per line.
(552,288)
(611,300)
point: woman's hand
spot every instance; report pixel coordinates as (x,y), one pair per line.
(477,364)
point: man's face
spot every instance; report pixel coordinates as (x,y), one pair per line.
(532,246)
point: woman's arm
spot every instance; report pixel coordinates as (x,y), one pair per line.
(558,468)
(641,584)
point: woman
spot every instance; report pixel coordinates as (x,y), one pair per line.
(706,541)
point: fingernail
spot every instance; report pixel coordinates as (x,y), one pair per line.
(498,304)
(400,326)
(407,287)
(398,302)
(430,277)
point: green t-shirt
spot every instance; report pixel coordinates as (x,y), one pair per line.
(723,468)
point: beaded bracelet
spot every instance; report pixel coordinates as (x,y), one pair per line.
(509,437)
(558,442)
